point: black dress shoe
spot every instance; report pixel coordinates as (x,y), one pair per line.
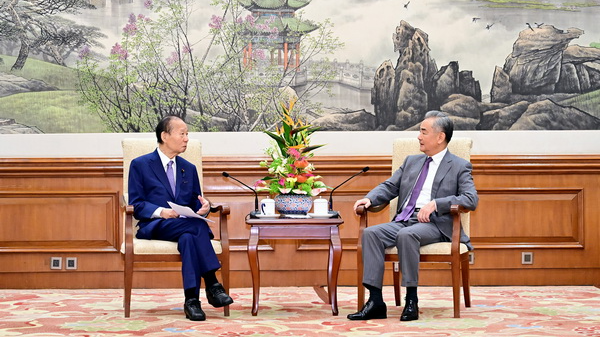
(411,311)
(369,311)
(217,297)
(193,311)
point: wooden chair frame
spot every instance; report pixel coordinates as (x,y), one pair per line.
(459,263)
(454,253)
(131,258)
(169,254)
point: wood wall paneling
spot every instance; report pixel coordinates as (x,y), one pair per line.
(66,207)
(46,220)
(530,217)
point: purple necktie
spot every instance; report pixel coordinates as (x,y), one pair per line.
(171,176)
(410,207)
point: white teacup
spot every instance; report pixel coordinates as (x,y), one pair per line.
(320,206)
(267,206)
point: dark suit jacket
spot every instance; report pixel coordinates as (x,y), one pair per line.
(149,189)
(452,185)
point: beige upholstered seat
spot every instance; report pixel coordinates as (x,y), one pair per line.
(454,252)
(139,250)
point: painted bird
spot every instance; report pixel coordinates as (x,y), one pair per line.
(528,25)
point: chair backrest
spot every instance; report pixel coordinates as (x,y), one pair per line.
(404,147)
(135,147)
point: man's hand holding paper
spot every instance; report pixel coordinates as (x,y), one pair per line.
(185,211)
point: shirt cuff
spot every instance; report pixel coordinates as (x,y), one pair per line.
(157,212)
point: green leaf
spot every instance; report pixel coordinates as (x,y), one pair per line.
(300,129)
(280,141)
(310,148)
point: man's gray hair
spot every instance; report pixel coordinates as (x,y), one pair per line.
(442,123)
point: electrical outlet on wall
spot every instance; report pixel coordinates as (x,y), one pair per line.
(56,263)
(526,257)
(71,263)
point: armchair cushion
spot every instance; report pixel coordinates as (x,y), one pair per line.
(440,248)
(158,247)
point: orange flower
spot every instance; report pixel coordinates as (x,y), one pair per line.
(302,163)
(301,178)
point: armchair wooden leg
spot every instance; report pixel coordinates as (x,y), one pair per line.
(397,293)
(359,277)
(128,284)
(225,276)
(455,267)
(465,282)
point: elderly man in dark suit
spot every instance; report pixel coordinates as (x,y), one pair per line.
(162,176)
(426,186)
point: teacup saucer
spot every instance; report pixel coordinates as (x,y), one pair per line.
(267,216)
(321,216)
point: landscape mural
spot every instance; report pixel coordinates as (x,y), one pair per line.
(73,66)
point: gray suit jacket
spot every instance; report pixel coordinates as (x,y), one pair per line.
(452,185)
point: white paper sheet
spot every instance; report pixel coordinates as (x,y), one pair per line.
(186,211)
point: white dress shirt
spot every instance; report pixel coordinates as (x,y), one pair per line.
(425,195)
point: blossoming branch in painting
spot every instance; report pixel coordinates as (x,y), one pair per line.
(119,52)
(290,171)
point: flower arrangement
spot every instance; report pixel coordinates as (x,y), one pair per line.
(290,171)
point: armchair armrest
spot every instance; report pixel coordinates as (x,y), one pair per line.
(373,208)
(127,223)
(223,210)
(362,211)
(128,229)
(456,211)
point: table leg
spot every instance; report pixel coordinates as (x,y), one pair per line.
(335,257)
(254,267)
(322,293)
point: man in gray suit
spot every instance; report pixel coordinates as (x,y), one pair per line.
(426,186)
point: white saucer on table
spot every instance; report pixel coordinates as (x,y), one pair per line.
(267,216)
(296,216)
(321,216)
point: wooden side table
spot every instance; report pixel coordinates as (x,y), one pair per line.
(293,228)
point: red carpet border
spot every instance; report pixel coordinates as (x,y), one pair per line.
(292,311)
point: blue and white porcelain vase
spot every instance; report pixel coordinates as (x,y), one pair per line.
(293,203)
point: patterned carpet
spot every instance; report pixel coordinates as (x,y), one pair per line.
(290,311)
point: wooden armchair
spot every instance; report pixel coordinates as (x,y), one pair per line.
(454,253)
(138,250)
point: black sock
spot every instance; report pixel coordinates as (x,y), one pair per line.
(375,294)
(411,294)
(210,278)
(190,293)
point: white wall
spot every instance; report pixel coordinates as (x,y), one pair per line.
(337,143)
